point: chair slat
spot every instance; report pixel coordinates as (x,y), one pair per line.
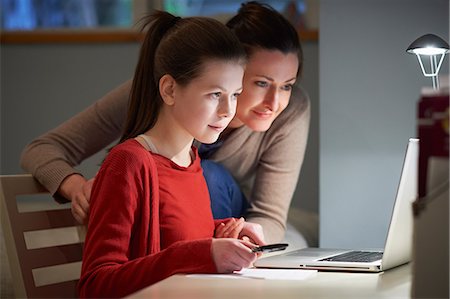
(53,237)
(56,274)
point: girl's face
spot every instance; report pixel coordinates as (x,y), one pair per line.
(205,106)
(268,80)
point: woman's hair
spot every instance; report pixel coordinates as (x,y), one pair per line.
(259,26)
(179,47)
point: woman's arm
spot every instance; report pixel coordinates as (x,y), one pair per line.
(51,157)
(278,169)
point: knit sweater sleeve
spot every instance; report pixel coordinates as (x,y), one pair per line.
(279,167)
(52,156)
(120,256)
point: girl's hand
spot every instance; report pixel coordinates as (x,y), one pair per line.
(232,254)
(230,229)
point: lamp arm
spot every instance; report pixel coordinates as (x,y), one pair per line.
(421,66)
(434,67)
(438,67)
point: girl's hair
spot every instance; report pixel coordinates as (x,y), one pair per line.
(259,26)
(179,47)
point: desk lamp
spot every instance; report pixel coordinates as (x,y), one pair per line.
(435,48)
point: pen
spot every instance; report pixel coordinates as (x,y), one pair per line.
(271,247)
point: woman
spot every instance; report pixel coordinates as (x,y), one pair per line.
(263,149)
(151,215)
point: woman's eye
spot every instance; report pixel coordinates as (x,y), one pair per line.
(261,83)
(287,87)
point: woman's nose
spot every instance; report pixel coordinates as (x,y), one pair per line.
(272,101)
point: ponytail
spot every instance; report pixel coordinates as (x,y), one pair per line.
(145,102)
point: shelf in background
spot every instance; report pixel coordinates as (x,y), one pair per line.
(95,36)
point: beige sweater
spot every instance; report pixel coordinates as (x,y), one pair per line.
(265,164)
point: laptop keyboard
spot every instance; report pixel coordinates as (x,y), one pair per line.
(356,256)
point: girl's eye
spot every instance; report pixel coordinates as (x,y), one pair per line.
(235,96)
(261,83)
(215,95)
(287,87)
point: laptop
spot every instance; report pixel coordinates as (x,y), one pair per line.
(398,245)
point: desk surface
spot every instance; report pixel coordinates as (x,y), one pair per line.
(395,283)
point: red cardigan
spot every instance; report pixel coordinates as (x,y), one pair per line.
(122,251)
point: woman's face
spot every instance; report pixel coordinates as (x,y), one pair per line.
(268,80)
(205,106)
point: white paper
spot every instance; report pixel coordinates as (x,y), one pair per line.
(277,274)
(258,273)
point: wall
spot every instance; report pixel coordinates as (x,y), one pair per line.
(42,85)
(369,88)
(306,195)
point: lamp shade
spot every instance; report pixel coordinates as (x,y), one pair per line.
(428,44)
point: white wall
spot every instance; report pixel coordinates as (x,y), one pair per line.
(369,88)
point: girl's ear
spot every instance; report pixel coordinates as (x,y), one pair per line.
(167,89)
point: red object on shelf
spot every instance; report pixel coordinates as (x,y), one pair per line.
(433,131)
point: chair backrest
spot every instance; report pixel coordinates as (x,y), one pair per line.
(42,239)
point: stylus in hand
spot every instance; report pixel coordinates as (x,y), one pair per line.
(271,247)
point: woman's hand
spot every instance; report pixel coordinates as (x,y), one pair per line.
(232,254)
(252,232)
(230,229)
(78,190)
(240,229)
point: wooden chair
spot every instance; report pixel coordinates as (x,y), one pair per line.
(42,239)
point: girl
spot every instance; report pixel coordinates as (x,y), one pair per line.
(150,209)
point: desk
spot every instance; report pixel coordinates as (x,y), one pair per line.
(395,283)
